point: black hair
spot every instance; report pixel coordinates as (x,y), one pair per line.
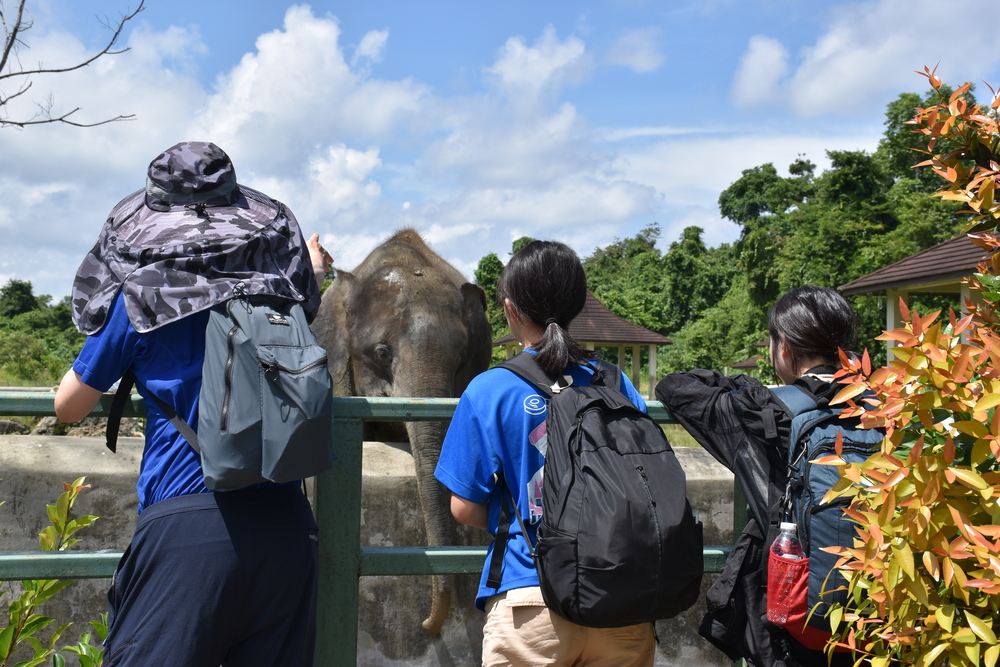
(545,282)
(813,322)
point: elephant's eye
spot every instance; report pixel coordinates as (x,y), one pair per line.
(382,355)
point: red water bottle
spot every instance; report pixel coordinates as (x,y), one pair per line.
(783,570)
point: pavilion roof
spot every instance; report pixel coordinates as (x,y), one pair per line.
(938,265)
(597,324)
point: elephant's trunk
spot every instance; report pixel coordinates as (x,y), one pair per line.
(425,443)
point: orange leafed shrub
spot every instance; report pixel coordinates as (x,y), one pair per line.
(924,572)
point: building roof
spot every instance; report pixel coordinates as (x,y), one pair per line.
(749,364)
(937,268)
(597,324)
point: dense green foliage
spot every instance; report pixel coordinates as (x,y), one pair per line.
(866,211)
(38,341)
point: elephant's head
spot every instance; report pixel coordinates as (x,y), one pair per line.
(402,331)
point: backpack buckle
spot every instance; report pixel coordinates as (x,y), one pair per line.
(556,388)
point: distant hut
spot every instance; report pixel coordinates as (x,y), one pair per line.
(938,270)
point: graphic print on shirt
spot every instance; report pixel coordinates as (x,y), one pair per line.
(535,404)
(539,439)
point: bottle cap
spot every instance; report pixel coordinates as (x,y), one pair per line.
(788,526)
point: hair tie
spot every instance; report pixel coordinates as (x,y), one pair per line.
(550,321)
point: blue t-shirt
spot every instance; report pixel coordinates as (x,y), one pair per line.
(499,425)
(166,361)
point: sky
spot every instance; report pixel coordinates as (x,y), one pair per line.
(474,122)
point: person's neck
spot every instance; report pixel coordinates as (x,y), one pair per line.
(810,364)
(531,334)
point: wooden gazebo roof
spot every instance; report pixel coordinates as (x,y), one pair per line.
(597,324)
(938,268)
(749,364)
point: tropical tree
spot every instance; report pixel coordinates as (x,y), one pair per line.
(38,341)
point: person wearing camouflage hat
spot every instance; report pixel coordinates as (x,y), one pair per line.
(209,578)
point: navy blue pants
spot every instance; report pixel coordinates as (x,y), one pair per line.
(217,579)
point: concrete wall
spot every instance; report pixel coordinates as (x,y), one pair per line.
(34,468)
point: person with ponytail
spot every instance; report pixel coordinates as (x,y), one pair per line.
(499,429)
(747,429)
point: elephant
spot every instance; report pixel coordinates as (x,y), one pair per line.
(407,323)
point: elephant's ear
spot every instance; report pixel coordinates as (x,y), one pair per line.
(330,327)
(479,350)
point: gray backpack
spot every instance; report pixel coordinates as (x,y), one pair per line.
(266,405)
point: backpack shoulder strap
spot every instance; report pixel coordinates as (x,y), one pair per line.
(118,407)
(610,374)
(795,399)
(523,364)
(122,395)
(503,532)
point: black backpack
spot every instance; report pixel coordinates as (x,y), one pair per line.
(618,544)
(814,431)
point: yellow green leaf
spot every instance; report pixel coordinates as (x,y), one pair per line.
(927,659)
(987,401)
(965,636)
(945,615)
(975,429)
(972,652)
(903,555)
(981,628)
(968,477)
(990,656)
(836,614)
(932,566)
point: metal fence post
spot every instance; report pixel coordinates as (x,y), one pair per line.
(338,514)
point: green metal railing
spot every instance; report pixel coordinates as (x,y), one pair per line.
(338,513)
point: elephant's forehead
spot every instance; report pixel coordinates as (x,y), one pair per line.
(393,276)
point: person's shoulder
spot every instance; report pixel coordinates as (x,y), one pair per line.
(496,380)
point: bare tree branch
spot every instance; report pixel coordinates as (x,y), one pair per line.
(10,34)
(65,119)
(13,40)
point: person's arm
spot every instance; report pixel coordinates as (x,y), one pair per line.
(74,399)
(469,513)
(701,401)
(321,260)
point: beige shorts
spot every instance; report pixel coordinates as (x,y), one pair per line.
(520,630)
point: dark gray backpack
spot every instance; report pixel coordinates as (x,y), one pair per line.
(266,405)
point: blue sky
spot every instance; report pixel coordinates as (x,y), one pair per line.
(476,123)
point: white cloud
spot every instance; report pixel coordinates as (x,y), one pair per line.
(350,249)
(761,69)
(526,74)
(620,134)
(638,49)
(297,90)
(371,46)
(488,148)
(688,174)
(868,53)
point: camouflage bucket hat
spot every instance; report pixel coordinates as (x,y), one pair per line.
(186,241)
